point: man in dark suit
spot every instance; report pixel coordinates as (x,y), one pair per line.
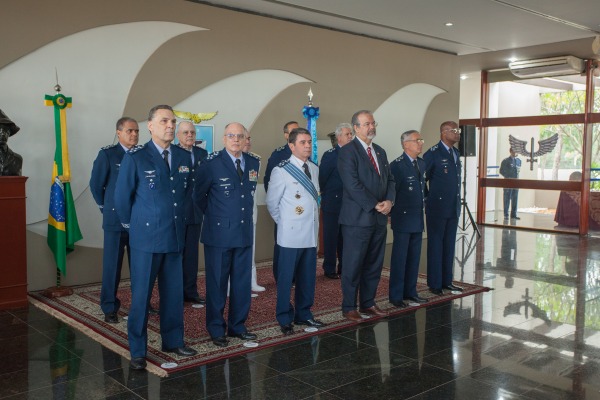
(150,200)
(407,220)
(367,200)
(278,155)
(331,202)
(186,134)
(228,179)
(442,207)
(102,185)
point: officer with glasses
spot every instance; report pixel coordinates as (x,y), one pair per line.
(442,207)
(225,186)
(407,221)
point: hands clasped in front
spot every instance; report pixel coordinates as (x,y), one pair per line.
(384,207)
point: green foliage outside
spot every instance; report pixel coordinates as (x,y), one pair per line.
(568,151)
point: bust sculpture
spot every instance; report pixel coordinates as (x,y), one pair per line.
(11,163)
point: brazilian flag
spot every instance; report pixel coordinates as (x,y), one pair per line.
(63,228)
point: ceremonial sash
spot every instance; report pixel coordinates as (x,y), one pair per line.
(301,177)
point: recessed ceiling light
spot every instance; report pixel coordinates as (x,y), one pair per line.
(449,24)
(463,77)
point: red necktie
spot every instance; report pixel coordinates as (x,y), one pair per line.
(372,160)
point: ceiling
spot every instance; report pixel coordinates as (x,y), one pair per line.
(485,33)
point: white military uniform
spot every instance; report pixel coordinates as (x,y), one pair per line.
(292,207)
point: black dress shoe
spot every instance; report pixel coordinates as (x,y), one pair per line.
(152,310)
(181,351)
(515,218)
(332,276)
(244,335)
(111,318)
(416,299)
(439,292)
(454,288)
(399,304)
(137,363)
(194,300)
(315,323)
(220,341)
(287,329)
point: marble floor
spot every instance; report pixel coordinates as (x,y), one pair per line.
(535,336)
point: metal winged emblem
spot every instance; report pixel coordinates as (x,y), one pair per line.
(546,146)
(195,118)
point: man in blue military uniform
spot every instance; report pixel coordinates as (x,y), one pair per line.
(102,185)
(331,202)
(226,183)
(254,286)
(407,220)
(186,134)
(443,172)
(509,168)
(150,200)
(279,154)
(293,203)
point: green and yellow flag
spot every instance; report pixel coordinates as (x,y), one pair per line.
(63,228)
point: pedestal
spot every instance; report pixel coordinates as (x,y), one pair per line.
(13,246)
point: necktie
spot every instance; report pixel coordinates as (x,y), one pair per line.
(417,169)
(166,158)
(238,168)
(306,171)
(372,160)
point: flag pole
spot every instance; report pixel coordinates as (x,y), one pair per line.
(312,114)
(63,227)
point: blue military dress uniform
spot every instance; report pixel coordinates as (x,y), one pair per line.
(331,202)
(227,234)
(150,200)
(277,156)
(408,226)
(193,225)
(442,207)
(102,185)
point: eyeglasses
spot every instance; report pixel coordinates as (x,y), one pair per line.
(368,124)
(455,130)
(231,136)
(421,141)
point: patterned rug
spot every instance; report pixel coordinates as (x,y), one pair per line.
(82,310)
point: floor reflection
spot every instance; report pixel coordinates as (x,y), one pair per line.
(535,336)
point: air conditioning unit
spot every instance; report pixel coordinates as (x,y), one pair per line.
(555,66)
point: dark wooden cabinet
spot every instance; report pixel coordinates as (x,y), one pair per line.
(13,246)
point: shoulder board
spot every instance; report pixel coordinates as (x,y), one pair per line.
(183,148)
(283,163)
(434,147)
(135,148)
(109,146)
(212,155)
(253,155)
(399,158)
(331,150)
(281,148)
